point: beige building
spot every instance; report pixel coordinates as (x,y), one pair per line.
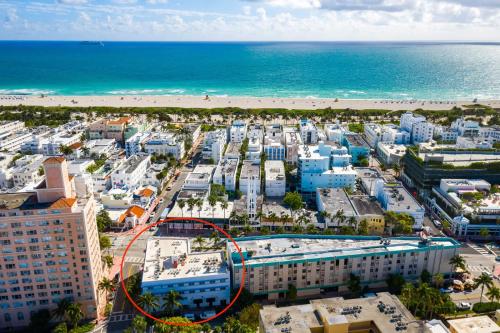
(49,248)
(316,263)
(383,313)
(481,324)
(109,129)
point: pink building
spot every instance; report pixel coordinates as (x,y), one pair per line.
(49,249)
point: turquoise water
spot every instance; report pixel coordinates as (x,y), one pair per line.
(344,70)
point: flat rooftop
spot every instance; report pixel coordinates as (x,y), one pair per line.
(481,324)
(400,198)
(335,199)
(273,249)
(366,205)
(462,159)
(169,258)
(356,140)
(233,149)
(250,169)
(274,170)
(383,312)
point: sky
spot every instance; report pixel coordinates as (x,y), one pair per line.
(250,20)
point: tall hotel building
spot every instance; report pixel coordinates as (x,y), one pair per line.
(315,263)
(49,248)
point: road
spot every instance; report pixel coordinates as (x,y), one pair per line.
(123,311)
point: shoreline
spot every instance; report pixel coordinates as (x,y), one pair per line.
(187,101)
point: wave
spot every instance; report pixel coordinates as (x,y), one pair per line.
(26,92)
(147,92)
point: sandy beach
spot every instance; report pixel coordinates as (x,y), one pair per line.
(241,102)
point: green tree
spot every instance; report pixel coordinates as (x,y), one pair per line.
(60,328)
(104,242)
(65,150)
(363,227)
(182,204)
(457,261)
(493,294)
(484,232)
(39,320)
(103,220)
(172,302)
(425,276)
(74,314)
(212,201)
(395,283)
(200,241)
(438,280)
(148,302)
(408,296)
(163,328)
(291,294)
(191,202)
(250,316)
(107,260)
(106,285)
(139,324)
(294,202)
(483,280)
(354,284)
(224,205)
(62,306)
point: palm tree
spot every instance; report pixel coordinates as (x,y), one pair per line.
(224,206)
(340,217)
(425,298)
(172,302)
(148,302)
(62,307)
(107,261)
(457,262)
(493,294)
(408,295)
(181,204)
(438,280)
(482,281)
(191,202)
(212,201)
(215,239)
(75,314)
(85,151)
(199,240)
(65,150)
(139,324)
(199,204)
(107,285)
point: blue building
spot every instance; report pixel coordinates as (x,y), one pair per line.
(357,147)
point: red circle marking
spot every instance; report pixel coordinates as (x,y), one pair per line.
(242,284)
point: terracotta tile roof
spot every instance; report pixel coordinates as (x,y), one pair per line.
(132,211)
(55,159)
(147,192)
(76,145)
(119,121)
(63,203)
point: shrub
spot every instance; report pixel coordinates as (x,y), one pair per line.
(486,307)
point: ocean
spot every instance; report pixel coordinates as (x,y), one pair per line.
(378,70)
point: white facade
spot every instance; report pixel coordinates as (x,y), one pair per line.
(422,132)
(293,142)
(213,145)
(165,144)
(200,178)
(201,278)
(52,145)
(334,133)
(275,178)
(134,144)
(238,131)
(27,170)
(225,173)
(5,171)
(249,170)
(13,142)
(308,132)
(465,127)
(254,149)
(11,126)
(390,154)
(130,173)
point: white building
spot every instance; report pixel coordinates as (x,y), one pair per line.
(464,127)
(213,145)
(27,170)
(200,178)
(130,172)
(51,146)
(134,144)
(335,133)
(11,126)
(101,147)
(249,170)
(275,178)
(293,142)
(420,129)
(254,149)
(225,173)
(5,171)
(308,132)
(390,154)
(201,278)
(165,144)
(13,142)
(389,134)
(238,131)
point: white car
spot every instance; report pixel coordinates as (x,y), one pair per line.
(437,224)
(463,306)
(207,314)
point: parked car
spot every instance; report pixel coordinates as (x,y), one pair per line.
(438,224)
(207,314)
(169,188)
(463,306)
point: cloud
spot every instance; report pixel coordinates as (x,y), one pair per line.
(73,2)
(156,2)
(125,2)
(11,15)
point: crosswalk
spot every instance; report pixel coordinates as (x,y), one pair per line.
(478,269)
(134,260)
(120,317)
(481,250)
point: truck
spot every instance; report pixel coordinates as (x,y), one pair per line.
(164,213)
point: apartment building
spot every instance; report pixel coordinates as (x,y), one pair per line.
(249,171)
(11,126)
(165,144)
(314,263)
(225,173)
(213,145)
(357,147)
(27,170)
(275,178)
(130,172)
(390,154)
(308,132)
(201,278)
(293,142)
(238,131)
(134,144)
(51,146)
(50,249)
(109,129)
(420,129)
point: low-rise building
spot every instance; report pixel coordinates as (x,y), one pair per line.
(480,324)
(27,170)
(357,147)
(293,142)
(233,150)
(213,145)
(162,143)
(201,278)
(238,131)
(308,132)
(225,173)
(200,178)
(130,172)
(135,143)
(249,171)
(275,178)
(390,154)
(315,263)
(371,314)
